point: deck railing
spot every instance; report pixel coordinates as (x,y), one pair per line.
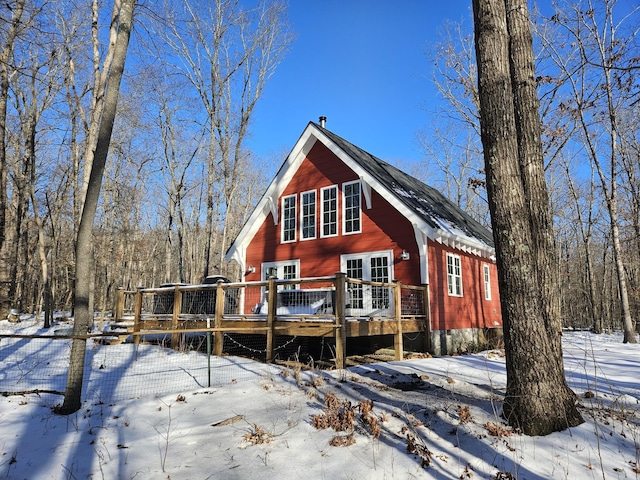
(337,306)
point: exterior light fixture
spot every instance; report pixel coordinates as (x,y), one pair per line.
(405,255)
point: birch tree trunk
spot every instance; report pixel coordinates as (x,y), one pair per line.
(538,400)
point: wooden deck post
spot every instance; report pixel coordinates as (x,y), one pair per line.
(427,319)
(398,343)
(272,302)
(177,308)
(341,320)
(119,308)
(218,336)
(137,312)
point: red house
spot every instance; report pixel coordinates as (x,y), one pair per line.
(334,207)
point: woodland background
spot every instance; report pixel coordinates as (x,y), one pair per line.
(180,182)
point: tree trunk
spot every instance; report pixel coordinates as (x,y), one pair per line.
(538,400)
(5,74)
(84,244)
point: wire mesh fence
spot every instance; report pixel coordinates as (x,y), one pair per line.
(36,367)
(166,337)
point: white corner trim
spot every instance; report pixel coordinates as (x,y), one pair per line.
(421,241)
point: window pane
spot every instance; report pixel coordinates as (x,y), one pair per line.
(487,282)
(380,273)
(329,211)
(309,215)
(289,219)
(352,207)
(454,275)
(354,270)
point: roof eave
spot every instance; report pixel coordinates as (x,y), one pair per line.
(269,201)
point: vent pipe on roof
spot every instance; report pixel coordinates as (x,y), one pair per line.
(323,120)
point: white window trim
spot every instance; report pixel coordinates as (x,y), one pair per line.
(344,208)
(315,216)
(322,211)
(367,256)
(457,261)
(279,266)
(486,274)
(283,222)
(366,274)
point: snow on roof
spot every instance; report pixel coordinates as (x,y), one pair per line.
(433,208)
(429,210)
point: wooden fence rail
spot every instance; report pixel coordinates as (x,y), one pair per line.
(335,306)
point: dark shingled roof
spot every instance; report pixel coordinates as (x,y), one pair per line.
(431,205)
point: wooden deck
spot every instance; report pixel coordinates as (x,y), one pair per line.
(336,307)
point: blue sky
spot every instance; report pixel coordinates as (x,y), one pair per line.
(363,65)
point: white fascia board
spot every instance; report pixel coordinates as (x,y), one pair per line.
(269,201)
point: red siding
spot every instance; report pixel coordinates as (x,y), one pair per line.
(383,228)
(471,310)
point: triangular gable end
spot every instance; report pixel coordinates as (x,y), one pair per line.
(452,237)
(269,201)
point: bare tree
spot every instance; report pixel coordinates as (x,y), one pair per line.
(15,24)
(596,68)
(537,400)
(582,212)
(454,160)
(109,84)
(34,91)
(227,54)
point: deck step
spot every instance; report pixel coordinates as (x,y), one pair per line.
(116,333)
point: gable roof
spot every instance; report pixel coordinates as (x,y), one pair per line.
(432,214)
(432,206)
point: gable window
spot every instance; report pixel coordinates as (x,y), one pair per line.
(329,211)
(308,215)
(288,219)
(454,275)
(487,281)
(351,208)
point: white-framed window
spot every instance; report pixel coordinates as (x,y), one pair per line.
(454,275)
(486,272)
(288,233)
(308,215)
(373,266)
(329,211)
(284,270)
(351,208)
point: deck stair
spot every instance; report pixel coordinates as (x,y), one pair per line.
(117,332)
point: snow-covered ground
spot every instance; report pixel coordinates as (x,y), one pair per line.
(429,418)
